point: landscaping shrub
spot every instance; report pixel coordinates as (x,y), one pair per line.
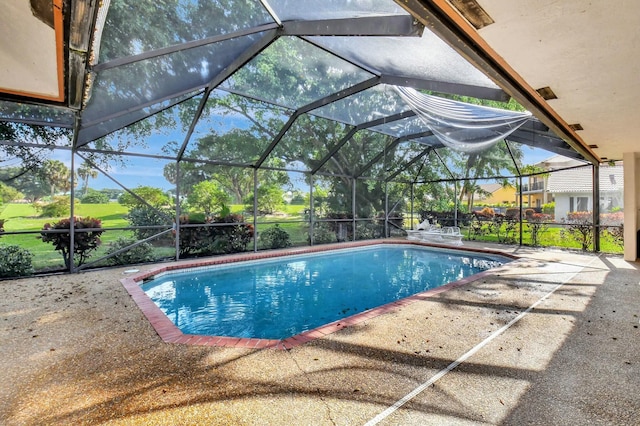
(342,229)
(94,197)
(504,227)
(270,200)
(274,238)
(512,213)
(537,224)
(59,207)
(612,219)
(141,253)
(2,222)
(479,225)
(233,237)
(615,234)
(15,261)
(323,234)
(580,228)
(487,212)
(194,239)
(549,208)
(612,227)
(84,242)
(152,196)
(143,215)
(207,196)
(368,231)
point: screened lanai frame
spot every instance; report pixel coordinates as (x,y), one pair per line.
(367,50)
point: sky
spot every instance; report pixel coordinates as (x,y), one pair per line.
(142,171)
(148,172)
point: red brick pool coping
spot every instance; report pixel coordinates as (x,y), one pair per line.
(169,333)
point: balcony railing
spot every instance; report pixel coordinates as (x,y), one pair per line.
(536,186)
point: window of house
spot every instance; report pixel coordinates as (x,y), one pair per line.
(578,204)
(583,204)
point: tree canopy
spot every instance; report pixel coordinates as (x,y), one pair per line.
(208,197)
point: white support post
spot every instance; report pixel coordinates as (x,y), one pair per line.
(631,162)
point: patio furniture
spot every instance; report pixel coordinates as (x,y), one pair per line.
(423,230)
(452,235)
(433,234)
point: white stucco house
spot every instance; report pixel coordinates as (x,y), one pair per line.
(572,190)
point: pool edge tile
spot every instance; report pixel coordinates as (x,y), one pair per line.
(169,333)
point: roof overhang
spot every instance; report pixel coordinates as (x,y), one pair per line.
(32,51)
(446,21)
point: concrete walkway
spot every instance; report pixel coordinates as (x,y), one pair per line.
(550,339)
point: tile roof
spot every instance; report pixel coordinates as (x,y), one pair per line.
(490,187)
(580,180)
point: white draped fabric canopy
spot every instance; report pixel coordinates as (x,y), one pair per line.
(461,126)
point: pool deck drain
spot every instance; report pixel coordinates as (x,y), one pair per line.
(170,333)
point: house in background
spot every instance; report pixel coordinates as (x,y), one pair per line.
(535,192)
(496,194)
(572,190)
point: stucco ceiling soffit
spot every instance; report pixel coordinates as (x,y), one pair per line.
(32,51)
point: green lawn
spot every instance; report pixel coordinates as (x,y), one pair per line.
(554,236)
(23,217)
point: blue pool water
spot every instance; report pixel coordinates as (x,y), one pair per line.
(282,297)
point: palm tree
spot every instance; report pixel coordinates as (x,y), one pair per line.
(86,172)
(486,164)
(57,175)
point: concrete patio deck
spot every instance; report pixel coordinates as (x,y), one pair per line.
(550,339)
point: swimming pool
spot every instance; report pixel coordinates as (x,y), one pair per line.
(278,298)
